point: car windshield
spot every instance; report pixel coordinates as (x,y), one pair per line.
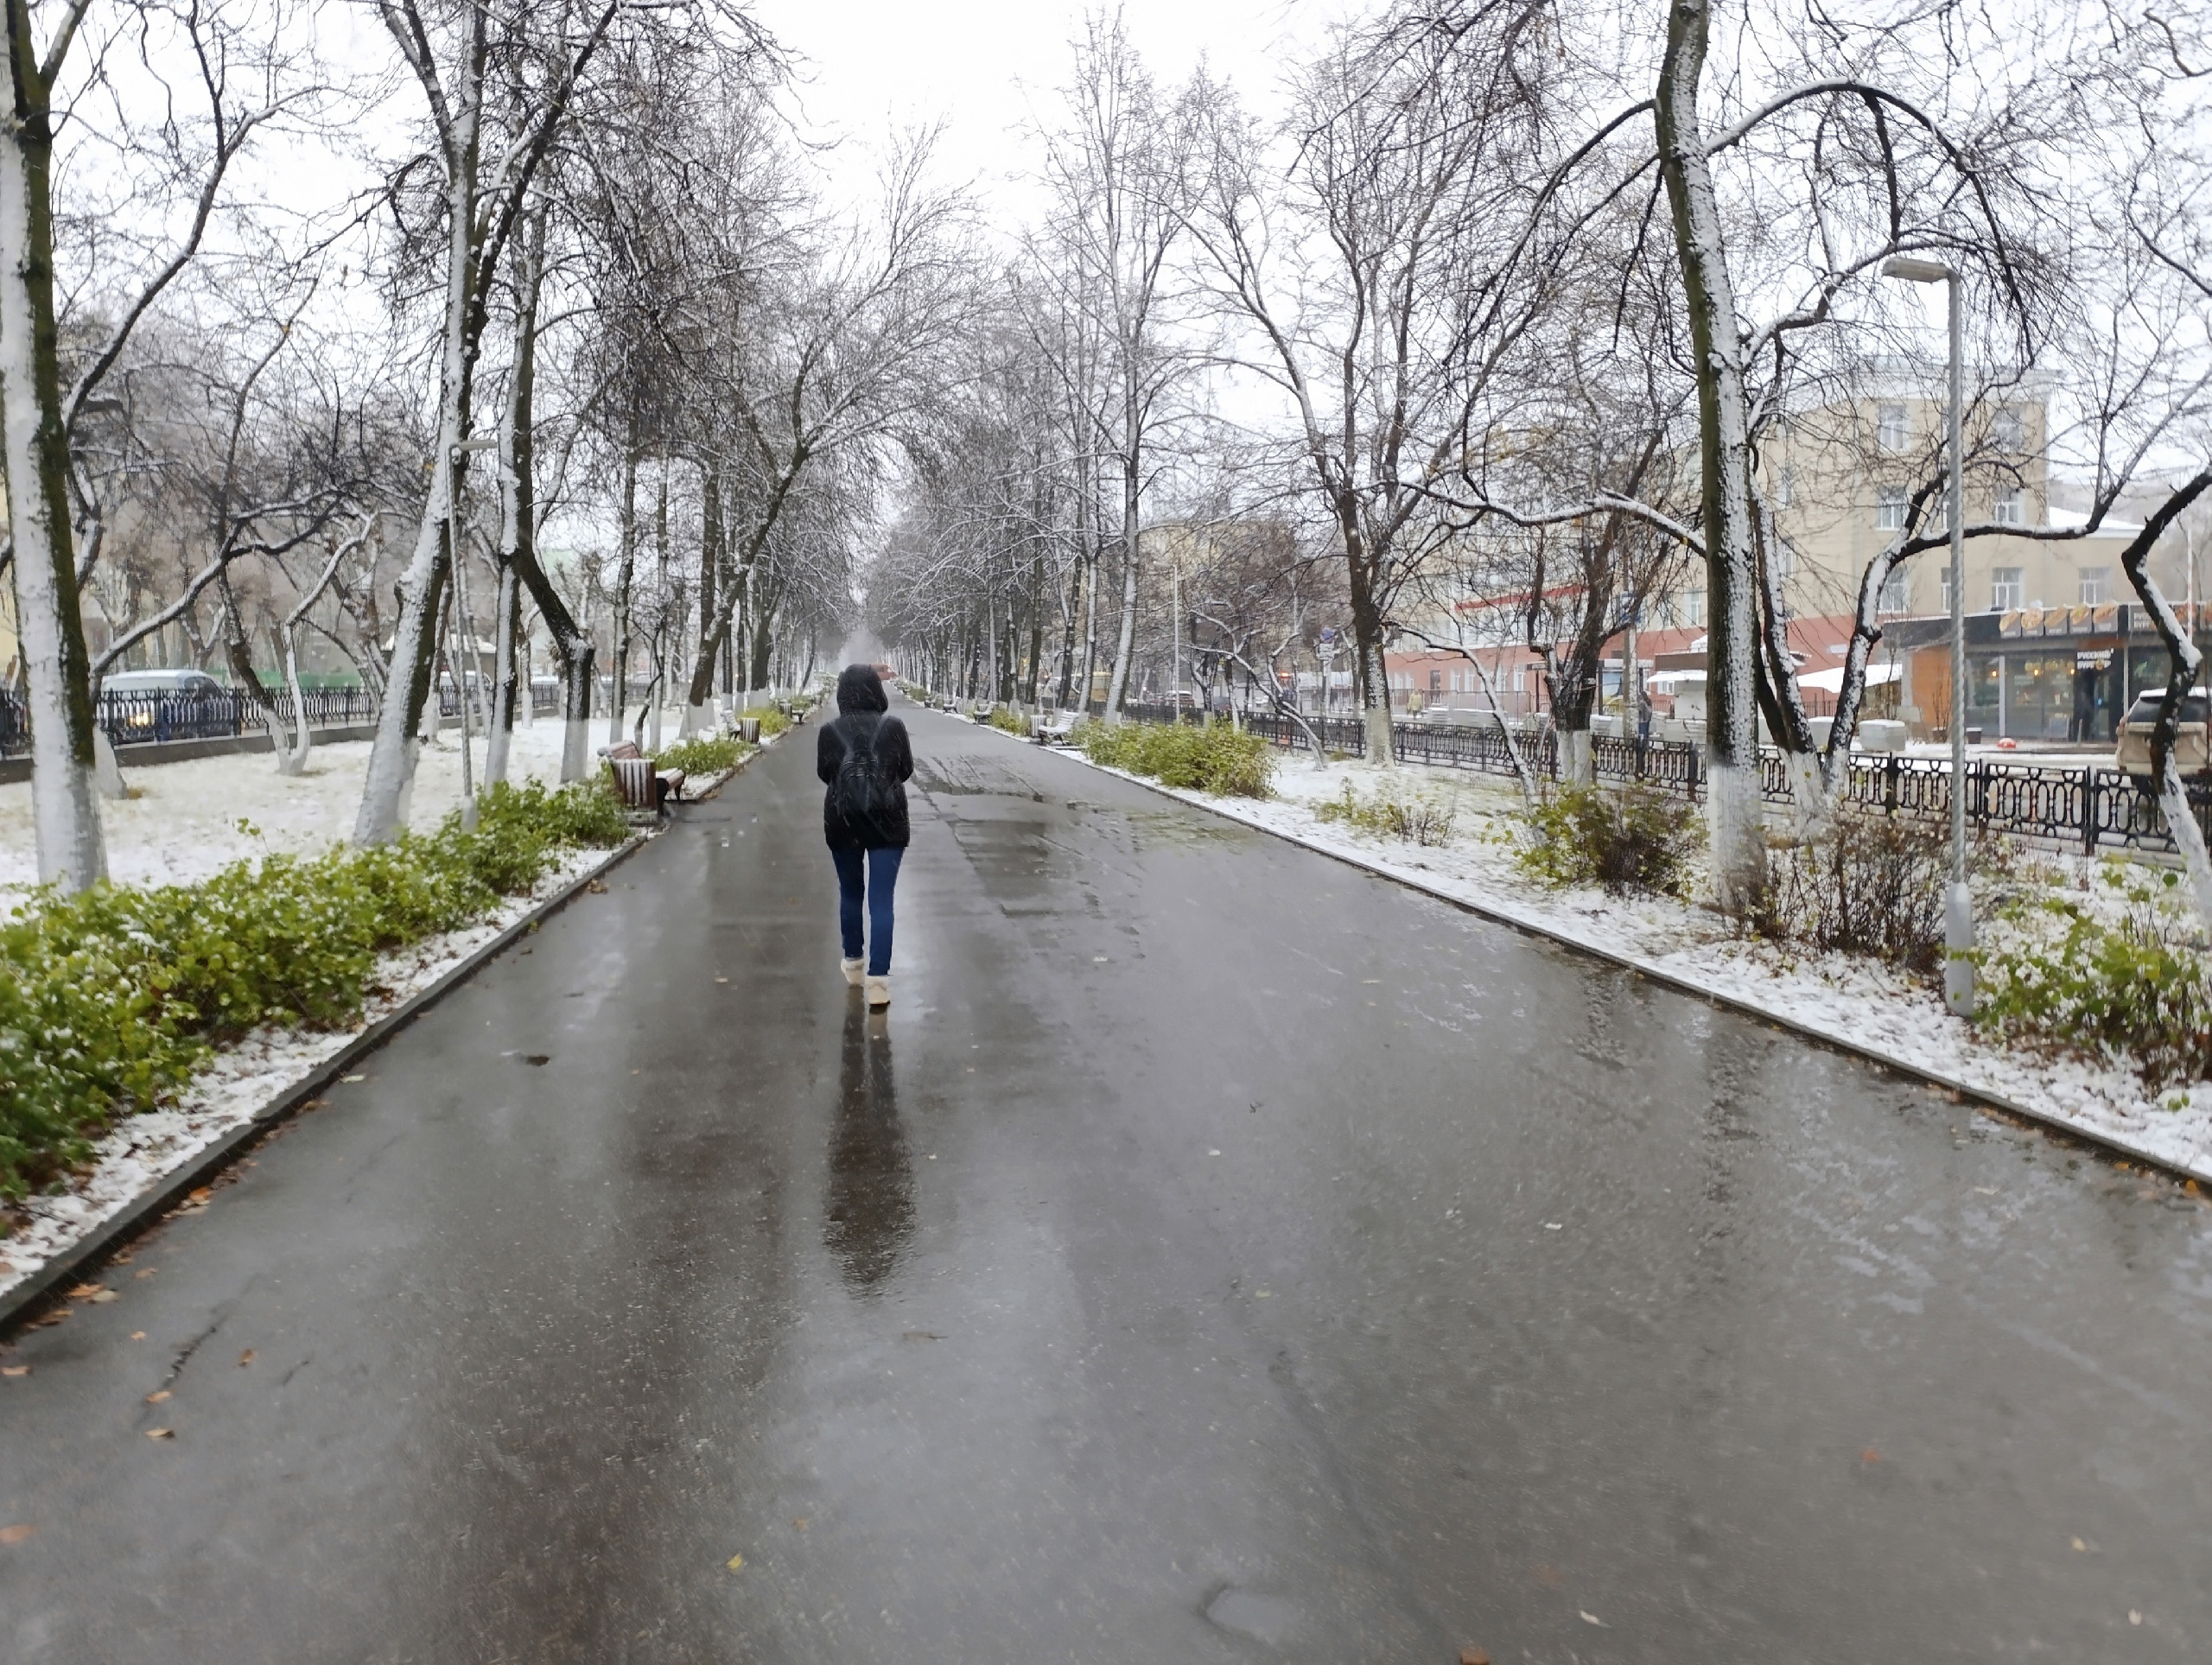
(2193,708)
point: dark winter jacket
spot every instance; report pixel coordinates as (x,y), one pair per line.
(862,722)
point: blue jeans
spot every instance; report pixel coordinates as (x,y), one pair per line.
(881,871)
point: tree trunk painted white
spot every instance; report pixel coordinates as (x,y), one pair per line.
(498,735)
(34,454)
(2189,836)
(106,771)
(1578,764)
(1117,685)
(292,753)
(392,756)
(1734,815)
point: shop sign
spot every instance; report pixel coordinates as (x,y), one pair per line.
(2021,622)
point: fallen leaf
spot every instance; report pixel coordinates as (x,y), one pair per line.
(137,1335)
(734,1563)
(15,1369)
(84,1289)
(2079,1545)
(2134,1617)
(721,979)
(16,1534)
(145,1272)
(356,1077)
(245,1358)
(595,887)
(1870,1455)
(201,1193)
(104,1297)
(54,1317)
(161,1433)
(1473,1657)
(800,1523)
(158,1397)
(1592,1618)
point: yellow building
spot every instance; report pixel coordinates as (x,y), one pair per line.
(2054,647)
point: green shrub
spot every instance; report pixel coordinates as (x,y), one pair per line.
(1637,838)
(2133,991)
(1414,819)
(1216,757)
(110,999)
(1011,721)
(773,721)
(704,754)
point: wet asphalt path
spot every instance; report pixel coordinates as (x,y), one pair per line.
(1218,1255)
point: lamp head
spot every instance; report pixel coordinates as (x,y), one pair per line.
(1917,271)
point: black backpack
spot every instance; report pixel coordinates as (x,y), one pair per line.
(867,797)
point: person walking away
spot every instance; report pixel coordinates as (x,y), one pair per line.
(864,760)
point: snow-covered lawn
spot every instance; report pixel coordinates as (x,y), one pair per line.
(182,822)
(1857,1002)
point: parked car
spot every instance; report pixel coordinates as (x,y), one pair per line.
(2191,749)
(171,704)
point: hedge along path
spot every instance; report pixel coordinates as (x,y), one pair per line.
(198,1169)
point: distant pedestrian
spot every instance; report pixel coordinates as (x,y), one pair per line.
(1643,716)
(864,759)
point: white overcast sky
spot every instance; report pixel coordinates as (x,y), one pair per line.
(988,68)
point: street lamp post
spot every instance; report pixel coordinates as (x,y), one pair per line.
(1958,901)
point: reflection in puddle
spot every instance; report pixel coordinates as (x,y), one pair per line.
(869,1210)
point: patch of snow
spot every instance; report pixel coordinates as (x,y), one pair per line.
(182,824)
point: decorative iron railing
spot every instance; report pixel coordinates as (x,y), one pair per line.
(138,718)
(2085,807)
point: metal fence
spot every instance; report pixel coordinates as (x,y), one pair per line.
(138,718)
(2087,808)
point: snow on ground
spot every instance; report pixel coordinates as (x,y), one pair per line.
(1856,1002)
(182,822)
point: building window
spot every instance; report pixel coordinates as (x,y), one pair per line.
(2008,429)
(1891,430)
(2096,583)
(1889,508)
(1785,488)
(2011,506)
(2005,588)
(1897,593)
(1944,589)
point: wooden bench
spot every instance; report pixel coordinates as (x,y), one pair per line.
(1055,729)
(638,784)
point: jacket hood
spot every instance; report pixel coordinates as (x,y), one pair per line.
(858,689)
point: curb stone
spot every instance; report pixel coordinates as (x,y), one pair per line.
(2116,1143)
(105,1235)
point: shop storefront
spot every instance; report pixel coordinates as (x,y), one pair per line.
(2058,676)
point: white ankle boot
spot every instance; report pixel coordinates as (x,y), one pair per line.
(855,970)
(879,991)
